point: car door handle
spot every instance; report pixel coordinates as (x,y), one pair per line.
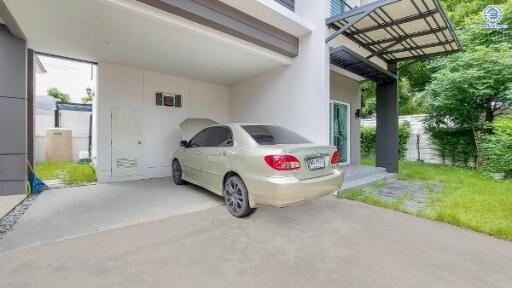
(226,153)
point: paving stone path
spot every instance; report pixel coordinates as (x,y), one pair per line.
(415,193)
(412,196)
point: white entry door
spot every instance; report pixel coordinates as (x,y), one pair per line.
(126,142)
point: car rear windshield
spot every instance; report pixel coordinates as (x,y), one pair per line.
(273,135)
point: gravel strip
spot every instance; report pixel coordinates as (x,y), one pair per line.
(8,221)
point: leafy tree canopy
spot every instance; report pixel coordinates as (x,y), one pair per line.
(61,97)
(468,15)
(469,86)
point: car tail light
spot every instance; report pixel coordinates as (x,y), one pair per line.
(282,162)
(335,159)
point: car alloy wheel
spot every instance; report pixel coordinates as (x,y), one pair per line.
(236,197)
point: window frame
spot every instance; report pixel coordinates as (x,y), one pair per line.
(230,136)
(189,144)
(211,128)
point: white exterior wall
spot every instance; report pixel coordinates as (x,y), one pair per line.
(122,86)
(295,96)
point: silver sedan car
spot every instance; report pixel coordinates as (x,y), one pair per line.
(251,165)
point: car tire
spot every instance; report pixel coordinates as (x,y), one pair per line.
(177,174)
(236,197)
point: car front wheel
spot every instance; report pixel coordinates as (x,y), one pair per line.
(237,197)
(177,173)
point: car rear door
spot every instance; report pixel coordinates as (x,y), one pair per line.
(220,146)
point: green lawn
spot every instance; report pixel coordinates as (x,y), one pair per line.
(469,199)
(70,173)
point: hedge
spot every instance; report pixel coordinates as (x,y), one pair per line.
(369,140)
(455,144)
(496,148)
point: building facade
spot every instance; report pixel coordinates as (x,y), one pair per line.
(298,64)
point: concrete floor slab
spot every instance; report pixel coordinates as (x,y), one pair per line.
(69,212)
(7,203)
(324,243)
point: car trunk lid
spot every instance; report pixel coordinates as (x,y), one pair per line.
(315,160)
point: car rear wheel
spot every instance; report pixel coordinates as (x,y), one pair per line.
(176,173)
(237,197)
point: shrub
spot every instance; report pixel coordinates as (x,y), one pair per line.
(496,148)
(369,140)
(455,144)
(403,138)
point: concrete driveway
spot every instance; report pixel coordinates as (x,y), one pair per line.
(324,243)
(70,212)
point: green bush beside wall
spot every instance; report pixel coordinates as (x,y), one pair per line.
(455,144)
(496,148)
(369,140)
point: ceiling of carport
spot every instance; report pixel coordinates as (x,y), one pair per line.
(134,34)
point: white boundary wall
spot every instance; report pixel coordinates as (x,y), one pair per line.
(427,150)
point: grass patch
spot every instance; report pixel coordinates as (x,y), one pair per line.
(469,199)
(70,173)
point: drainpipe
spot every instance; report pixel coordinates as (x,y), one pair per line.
(57,116)
(90,136)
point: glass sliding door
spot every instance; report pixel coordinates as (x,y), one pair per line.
(340,129)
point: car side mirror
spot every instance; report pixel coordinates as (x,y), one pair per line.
(184,143)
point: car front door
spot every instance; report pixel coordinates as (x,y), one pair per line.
(193,160)
(220,146)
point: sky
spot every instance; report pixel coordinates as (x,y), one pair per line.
(68,76)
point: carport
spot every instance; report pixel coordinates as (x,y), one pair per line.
(155,69)
(146,53)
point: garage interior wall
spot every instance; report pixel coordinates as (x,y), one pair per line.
(296,96)
(347,90)
(127,87)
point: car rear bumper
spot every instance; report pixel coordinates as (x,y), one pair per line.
(286,191)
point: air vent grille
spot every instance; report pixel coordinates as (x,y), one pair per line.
(126,163)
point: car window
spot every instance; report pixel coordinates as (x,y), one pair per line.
(201,139)
(220,137)
(273,135)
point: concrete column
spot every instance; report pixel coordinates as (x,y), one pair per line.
(13,113)
(387,124)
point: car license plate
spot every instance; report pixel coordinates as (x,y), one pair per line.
(316,163)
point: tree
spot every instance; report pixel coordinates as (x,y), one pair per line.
(368,99)
(59,96)
(87,99)
(471,88)
(418,74)
(410,104)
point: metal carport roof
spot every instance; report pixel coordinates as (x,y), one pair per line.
(355,63)
(397,30)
